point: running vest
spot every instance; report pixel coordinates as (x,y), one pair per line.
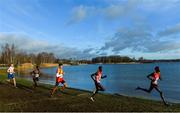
(36,72)
(98,76)
(156,77)
(59,73)
(10,70)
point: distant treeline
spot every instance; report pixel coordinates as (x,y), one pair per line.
(163,60)
(113,59)
(10,54)
(73,61)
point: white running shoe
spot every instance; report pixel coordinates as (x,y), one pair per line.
(92,99)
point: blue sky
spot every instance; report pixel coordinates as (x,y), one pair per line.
(87,28)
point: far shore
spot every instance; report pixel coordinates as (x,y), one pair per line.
(121,63)
(30,66)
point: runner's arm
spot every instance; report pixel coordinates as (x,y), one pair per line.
(104,76)
(8,70)
(32,72)
(92,76)
(150,76)
(39,72)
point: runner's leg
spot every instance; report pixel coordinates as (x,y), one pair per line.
(14,80)
(35,83)
(64,85)
(55,88)
(161,94)
(101,88)
(146,90)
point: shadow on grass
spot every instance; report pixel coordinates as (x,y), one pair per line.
(45,87)
(26,88)
(66,93)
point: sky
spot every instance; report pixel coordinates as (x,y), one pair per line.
(83,29)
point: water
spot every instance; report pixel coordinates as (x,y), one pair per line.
(123,79)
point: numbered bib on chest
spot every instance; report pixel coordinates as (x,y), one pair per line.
(59,75)
(36,75)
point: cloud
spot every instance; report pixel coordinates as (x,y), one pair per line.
(16,8)
(27,44)
(139,36)
(170,31)
(114,9)
(160,5)
(177,52)
(127,38)
(103,54)
(88,50)
(139,40)
(162,46)
(78,14)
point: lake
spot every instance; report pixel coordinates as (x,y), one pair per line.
(122,79)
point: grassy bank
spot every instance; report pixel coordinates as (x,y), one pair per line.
(25,98)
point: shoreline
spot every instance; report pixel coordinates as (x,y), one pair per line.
(24,97)
(125,95)
(110,93)
(27,72)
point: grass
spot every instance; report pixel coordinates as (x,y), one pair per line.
(25,98)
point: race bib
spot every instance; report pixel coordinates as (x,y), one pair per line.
(59,75)
(36,75)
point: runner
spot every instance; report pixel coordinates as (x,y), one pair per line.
(96,79)
(154,77)
(59,79)
(36,74)
(11,75)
